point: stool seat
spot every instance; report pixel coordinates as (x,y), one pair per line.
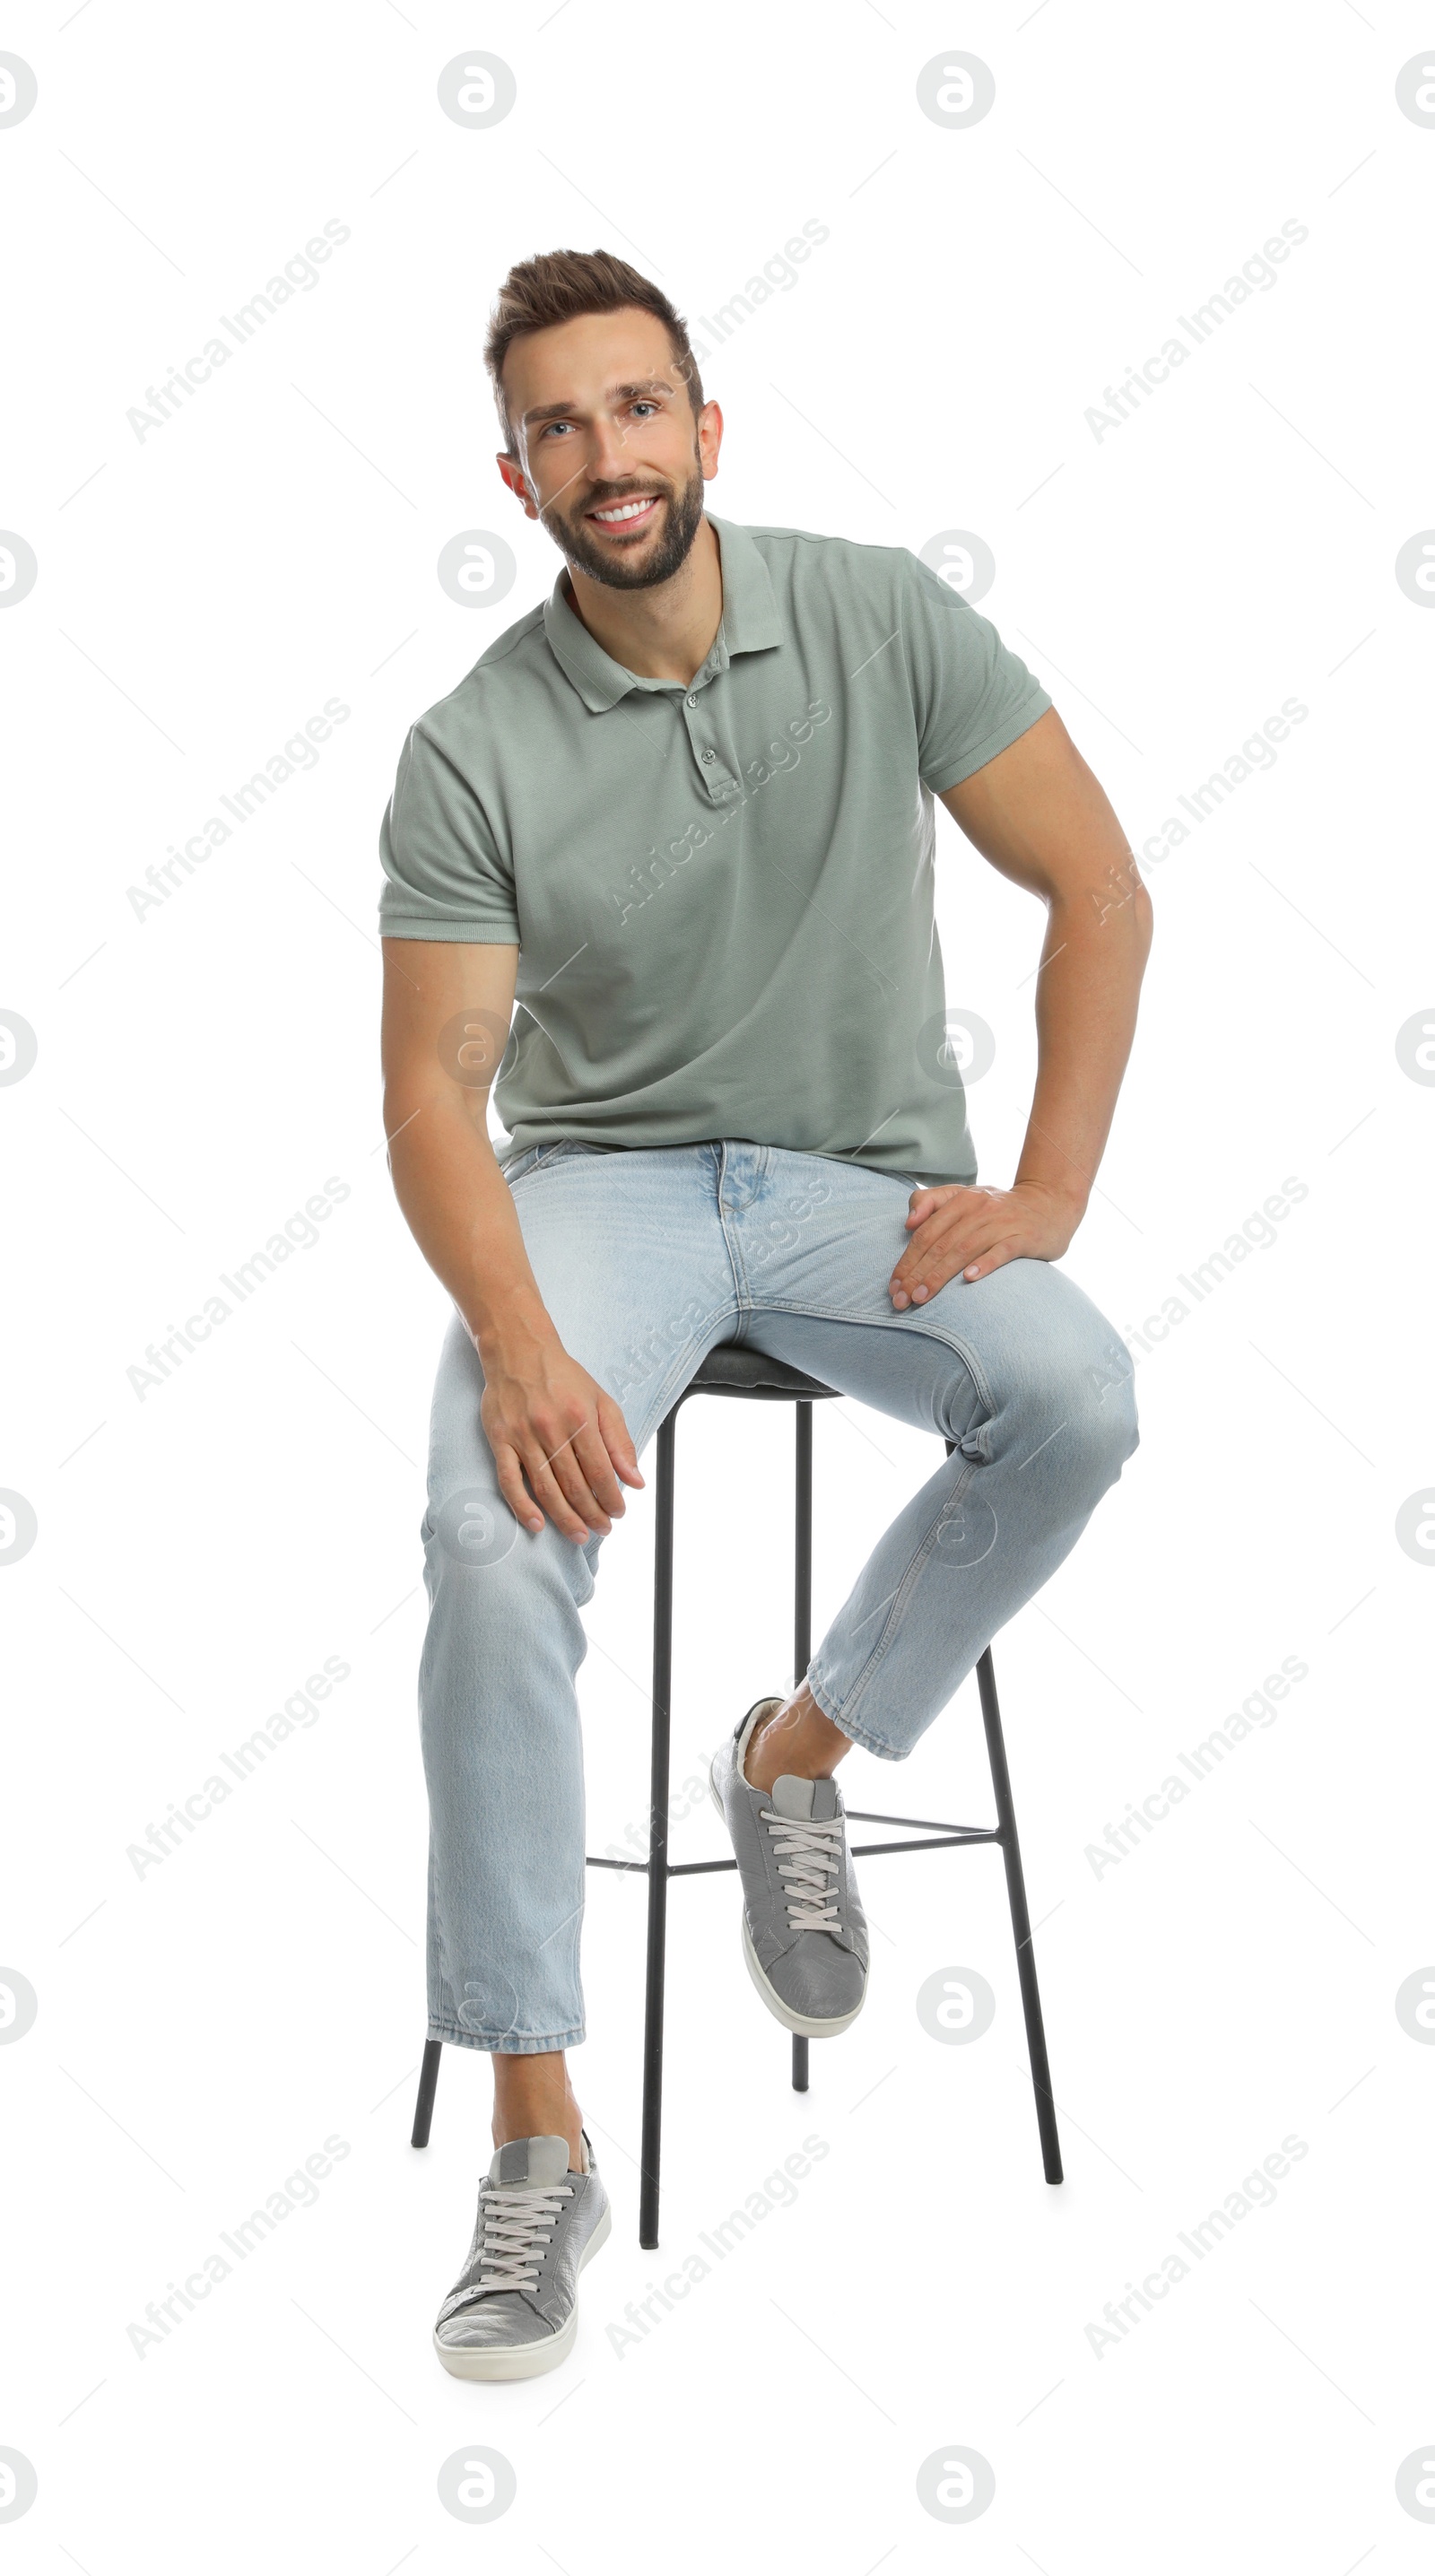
(732,1369)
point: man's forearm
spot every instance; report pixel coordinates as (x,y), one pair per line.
(461,1214)
(1093,958)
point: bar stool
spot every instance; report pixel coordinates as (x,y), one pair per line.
(732,1370)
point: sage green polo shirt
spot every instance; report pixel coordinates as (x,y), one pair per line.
(721,894)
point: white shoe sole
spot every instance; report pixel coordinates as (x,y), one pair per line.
(802,2024)
(527,2360)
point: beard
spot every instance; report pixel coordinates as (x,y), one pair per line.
(681,521)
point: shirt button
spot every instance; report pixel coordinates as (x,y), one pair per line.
(709,755)
(692,702)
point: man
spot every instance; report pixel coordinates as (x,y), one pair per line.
(684,813)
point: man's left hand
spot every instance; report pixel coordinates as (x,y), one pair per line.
(958,1232)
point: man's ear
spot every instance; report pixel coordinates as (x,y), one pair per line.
(517,482)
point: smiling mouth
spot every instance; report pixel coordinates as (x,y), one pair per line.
(623,516)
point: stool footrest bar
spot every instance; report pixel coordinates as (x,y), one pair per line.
(919,1824)
(950,1837)
(923,1842)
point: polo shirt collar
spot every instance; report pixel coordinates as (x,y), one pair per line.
(750,624)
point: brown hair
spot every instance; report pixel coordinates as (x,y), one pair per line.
(559,285)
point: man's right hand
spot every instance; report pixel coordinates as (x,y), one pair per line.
(559,1442)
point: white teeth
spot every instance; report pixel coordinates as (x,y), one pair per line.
(628,510)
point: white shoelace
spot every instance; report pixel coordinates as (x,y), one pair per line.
(809,1854)
(518,2223)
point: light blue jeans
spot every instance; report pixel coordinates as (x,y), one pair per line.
(645,1260)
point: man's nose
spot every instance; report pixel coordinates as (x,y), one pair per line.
(609,460)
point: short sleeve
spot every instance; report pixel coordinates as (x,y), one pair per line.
(971,695)
(446,876)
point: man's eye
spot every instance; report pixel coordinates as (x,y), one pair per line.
(550,426)
(645,406)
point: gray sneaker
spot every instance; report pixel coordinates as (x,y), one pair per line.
(804,1934)
(513,2311)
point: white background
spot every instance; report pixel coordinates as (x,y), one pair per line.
(203,1069)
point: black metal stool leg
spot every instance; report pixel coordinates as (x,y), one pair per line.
(658,1840)
(802,1552)
(802,1625)
(428,2085)
(1020,1920)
